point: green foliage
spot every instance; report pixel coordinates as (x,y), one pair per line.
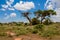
(50,31)
(40,29)
(20,30)
(34,31)
(29,29)
(37,28)
(44,13)
(3,34)
(47,22)
(47,33)
(35,21)
(26,24)
(18,24)
(0,24)
(38,13)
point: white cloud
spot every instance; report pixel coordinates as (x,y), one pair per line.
(12,1)
(54,4)
(24,5)
(8,5)
(9,2)
(4,6)
(11,8)
(19,6)
(50,6)
(13,15)
(2,9)
(21,2)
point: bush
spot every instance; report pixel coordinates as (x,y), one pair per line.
(35,21)
(26,24)
(18,24)
(20,31)
(3,34)
(47,33)
(47,22)
(34,31)
(51,31)
(39,27)
(29,29)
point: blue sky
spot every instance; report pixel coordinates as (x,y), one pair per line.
(10,10)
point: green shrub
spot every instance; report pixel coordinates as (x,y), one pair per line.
(39,27)
(18,24)
(29,29)
(51,31)
(20,31)
(3,34)
(34,31)
(26,24)
(47,34)
(47,22)
(35,21)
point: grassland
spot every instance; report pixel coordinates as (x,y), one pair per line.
(34,32)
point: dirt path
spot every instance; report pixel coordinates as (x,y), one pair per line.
(29,37)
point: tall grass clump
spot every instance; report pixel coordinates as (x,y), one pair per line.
(20,31)
(50,32)
(38,28)
(3,34)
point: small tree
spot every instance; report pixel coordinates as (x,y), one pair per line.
(26,15)
(44,13)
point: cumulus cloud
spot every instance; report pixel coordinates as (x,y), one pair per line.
(4,6)
(2,9)
(11,8)
(9,2)
(8,5)
(55,5)
(12,15)
(50,6)
(24,5)
(19,6)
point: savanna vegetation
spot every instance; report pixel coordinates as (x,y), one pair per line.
(40,25)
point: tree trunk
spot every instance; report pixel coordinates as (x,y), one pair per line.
(42,18)
(29,20)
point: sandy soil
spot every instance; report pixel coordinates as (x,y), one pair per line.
(28,37)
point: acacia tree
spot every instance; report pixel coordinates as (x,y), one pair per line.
(26,15)
(38,13)
(44,13)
